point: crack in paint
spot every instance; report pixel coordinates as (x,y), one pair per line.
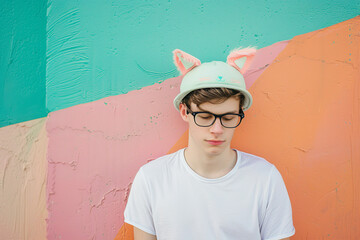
(301,149)
(72,164)
(99,132)
(127,192)
(314,59)
(114,191)
(157,74)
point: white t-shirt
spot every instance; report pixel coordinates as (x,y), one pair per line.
(168,199)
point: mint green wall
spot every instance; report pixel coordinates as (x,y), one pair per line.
(22,60)
(99,48)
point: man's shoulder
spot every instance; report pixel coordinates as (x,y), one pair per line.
(162,163)
(248,160)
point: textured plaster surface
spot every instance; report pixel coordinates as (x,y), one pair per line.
(23,169)
(262,60)
(101,48)
(57,54)
(94,151)
(22,60)
(306,120)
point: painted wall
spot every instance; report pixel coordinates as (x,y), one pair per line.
(95,150)
(57,54)
(93,154)
(98,50)
(22,60)
(87,142)
(305,119)
(23,177)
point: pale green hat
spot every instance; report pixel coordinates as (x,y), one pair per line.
(214,74)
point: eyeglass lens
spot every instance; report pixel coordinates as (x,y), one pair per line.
(207,119)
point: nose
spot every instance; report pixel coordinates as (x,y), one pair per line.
(217,128)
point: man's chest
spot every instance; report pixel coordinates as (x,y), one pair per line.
(222,210)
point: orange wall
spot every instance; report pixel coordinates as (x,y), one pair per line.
(305,120)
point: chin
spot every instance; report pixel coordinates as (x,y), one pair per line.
(215,150)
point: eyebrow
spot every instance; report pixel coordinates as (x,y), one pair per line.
(216,114)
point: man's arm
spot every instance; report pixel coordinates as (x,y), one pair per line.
(141,235)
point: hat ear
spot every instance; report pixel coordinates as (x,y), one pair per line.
(241,58)
(184,61)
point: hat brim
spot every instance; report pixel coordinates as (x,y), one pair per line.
(246,105)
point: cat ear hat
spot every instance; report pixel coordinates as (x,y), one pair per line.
(214,74)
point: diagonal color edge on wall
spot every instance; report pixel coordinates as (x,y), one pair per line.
(263,59)
(94,151)
(305,120)
(128,46)
(57,55)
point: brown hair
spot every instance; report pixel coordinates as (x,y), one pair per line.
(212,95)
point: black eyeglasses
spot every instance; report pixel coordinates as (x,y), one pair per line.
(227,120)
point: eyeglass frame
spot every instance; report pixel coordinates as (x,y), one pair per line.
(241,115)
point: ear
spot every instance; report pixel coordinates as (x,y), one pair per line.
(241,58)
(184,61)
(183,112)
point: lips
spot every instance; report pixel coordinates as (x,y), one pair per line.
(215,142)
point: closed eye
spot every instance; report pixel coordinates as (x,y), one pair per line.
(228,118)
(206,117)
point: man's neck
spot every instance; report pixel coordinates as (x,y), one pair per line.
(210,166)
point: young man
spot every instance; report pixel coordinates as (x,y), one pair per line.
(209,190)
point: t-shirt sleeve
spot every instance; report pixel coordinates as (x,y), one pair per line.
(138,210)
(277,222)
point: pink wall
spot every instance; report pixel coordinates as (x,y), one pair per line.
(305,119)
(94,151)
